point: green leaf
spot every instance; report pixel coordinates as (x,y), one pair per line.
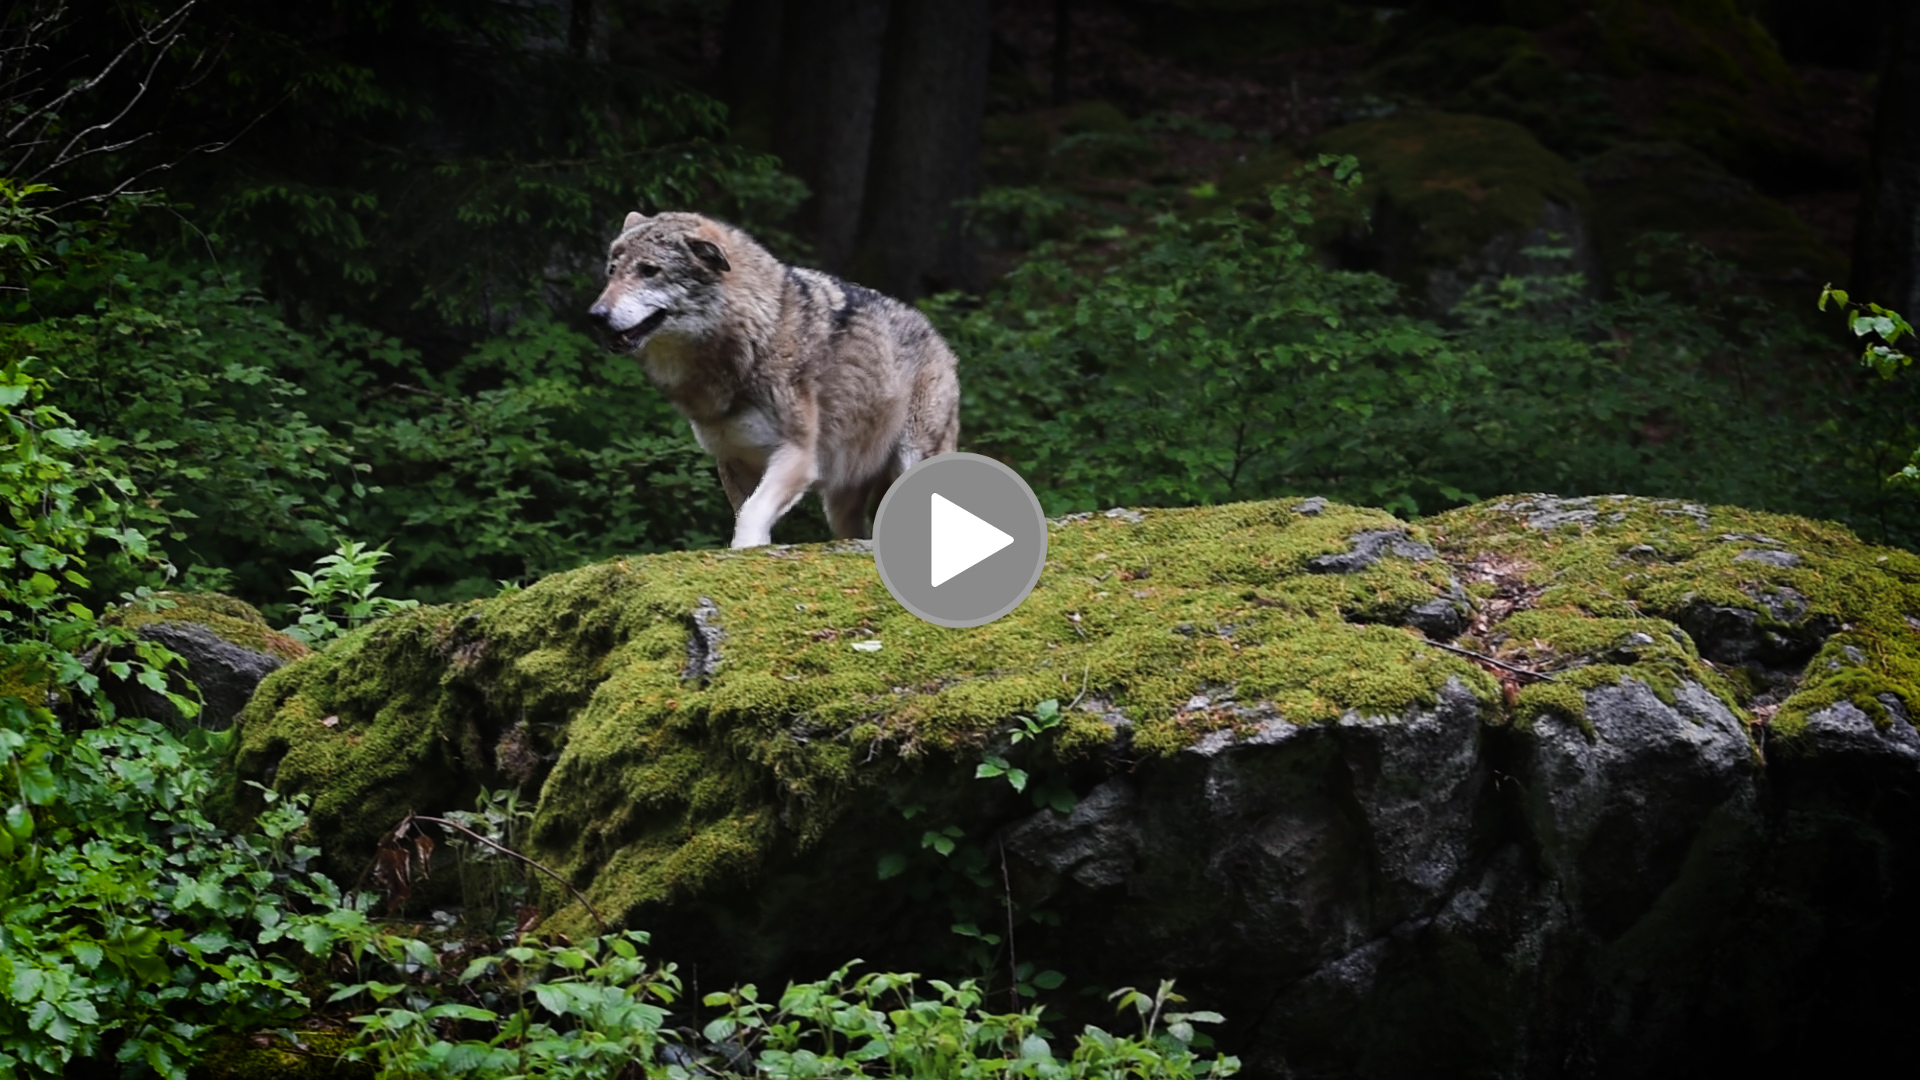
(27,983)
(19,822)
(892,865)
(458,1011)
(552,998)
(345,992)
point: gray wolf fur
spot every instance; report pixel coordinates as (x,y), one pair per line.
(793,380)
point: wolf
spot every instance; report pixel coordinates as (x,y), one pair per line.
(793,380)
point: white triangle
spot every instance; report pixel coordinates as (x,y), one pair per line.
(960,539)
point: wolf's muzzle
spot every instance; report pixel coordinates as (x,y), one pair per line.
(629,339)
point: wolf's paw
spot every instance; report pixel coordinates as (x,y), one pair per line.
(752,540)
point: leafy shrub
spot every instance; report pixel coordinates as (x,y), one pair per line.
(598,1009)
(130,925)
(187,384)
(342,585)
(255,444)
(1208,355)
(536,452)
(1882,330)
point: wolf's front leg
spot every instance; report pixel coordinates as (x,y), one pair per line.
(790,474)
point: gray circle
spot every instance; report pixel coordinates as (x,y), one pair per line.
(979,487)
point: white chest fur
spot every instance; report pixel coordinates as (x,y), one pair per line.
(748,435)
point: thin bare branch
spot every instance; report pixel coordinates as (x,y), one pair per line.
(125,187)
(67,155)
(160,35)
(504,850)
(1492,660)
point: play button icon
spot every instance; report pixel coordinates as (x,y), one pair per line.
(959,540)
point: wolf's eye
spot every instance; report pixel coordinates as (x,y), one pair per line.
(647,270)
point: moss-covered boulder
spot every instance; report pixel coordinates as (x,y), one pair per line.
(1540,771)
(307,1053)
(585,683)
(1641,188)
(224,643)
(1459,200)
(1503,72)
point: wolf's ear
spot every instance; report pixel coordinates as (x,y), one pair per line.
(633,218)
(708,252)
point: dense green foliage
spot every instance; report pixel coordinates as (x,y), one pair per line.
(1211,356)
(130,925)
(599,1010)
(1882,329)
(1205,356)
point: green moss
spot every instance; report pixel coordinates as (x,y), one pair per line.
(1458,181)
(233,620)
(1703,39)
(1661,560)
(661,786)
(1185,622)
(269,1056)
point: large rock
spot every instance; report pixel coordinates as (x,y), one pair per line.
(1664,187)
(1463,200)
(1651,810)
(226,648)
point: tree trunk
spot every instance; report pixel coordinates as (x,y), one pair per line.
(926,148)
(1886,250)
(1062,27)
(830,83)
(750,53)
(587,30)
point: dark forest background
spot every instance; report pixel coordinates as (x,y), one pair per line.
(318,272)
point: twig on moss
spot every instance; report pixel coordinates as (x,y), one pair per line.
(1528,672)
(503,849)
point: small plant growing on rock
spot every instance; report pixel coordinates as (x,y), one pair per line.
(339,594)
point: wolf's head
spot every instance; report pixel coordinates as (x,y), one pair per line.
(664,273)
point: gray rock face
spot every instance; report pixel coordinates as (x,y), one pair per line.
(1507,255)
(703,644)
(1631,892)
(225,673)
(1368,548)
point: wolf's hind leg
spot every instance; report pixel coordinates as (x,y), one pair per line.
(847,511)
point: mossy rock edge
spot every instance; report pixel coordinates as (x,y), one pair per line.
(1167,627)
(224,646)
